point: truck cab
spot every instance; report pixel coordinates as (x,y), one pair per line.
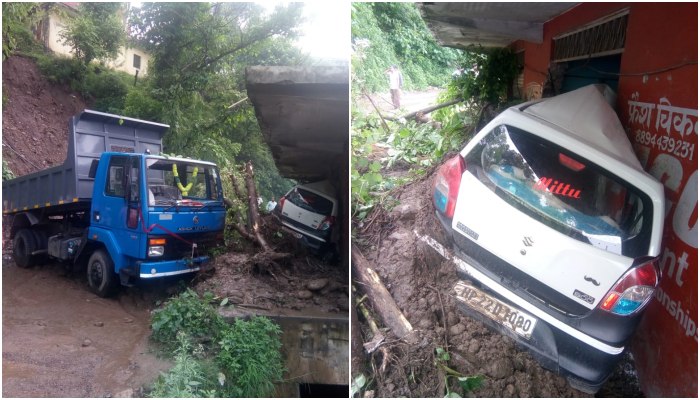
(156,216)
(116,207)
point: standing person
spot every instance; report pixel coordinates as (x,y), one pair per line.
(395,85)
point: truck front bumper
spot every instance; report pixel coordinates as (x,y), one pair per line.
(156,269)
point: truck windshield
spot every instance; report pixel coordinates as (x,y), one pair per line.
(180,182)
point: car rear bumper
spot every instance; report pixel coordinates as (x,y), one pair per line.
(586,361)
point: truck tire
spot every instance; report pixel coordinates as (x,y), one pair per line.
(23,247)
(42,243)
(100,274)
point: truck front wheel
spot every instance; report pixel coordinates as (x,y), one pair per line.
(23,247)
(100,274)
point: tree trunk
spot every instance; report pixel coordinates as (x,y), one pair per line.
(253,211)
(426,110)
(380,298)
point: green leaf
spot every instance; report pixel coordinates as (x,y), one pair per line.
(223,302)
(357,384)
(470,383)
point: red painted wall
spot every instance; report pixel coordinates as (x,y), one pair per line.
(659,111)
(657,104)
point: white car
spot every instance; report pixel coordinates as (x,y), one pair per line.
(558,229)
(310,210)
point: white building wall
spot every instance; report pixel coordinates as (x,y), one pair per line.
(123,62)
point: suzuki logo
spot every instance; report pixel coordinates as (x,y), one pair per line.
(591,280)
(527,241)
(195,220)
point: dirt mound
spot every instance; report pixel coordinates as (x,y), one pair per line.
(420,281)
(34,117)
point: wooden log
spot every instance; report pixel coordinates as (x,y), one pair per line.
(380,298)
(426,110)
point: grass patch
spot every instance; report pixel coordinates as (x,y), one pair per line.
(214,358)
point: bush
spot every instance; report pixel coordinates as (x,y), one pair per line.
(188,314)
(62,70)
(108,89)
(6,171)
(246,360)
(187,378)
(251,358)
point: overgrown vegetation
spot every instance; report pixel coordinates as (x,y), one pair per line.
(394,33)
(95,32)
(485,76)
(214,358)
(6,171)
(17,19)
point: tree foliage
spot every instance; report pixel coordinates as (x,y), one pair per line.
(395,33)
(16,21)
(486,75)
(200,52)
(95,32)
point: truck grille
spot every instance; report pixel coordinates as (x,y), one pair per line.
(176,249)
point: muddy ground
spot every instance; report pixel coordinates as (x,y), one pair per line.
(420,281)
(60,340)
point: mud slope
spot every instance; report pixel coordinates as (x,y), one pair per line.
(420,281)
(34,117)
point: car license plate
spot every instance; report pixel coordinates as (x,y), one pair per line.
(513,319)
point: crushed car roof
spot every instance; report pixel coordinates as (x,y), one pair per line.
(587,114)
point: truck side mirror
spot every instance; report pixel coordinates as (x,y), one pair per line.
(93,169)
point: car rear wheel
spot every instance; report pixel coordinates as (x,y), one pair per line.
(100,274)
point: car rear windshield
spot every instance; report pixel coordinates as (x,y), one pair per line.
(563,190)
(310,201)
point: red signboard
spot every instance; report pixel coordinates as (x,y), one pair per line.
(658,105)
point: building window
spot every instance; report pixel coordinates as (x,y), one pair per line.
(137,61)
(602,38)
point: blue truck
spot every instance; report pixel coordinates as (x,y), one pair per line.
(116,207)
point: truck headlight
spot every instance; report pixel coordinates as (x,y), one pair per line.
(156,251)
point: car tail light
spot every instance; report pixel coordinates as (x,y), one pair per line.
(326,223)
(447,185)
(633,290)
(280,204)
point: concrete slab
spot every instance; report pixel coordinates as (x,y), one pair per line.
(489,24)
(303,113)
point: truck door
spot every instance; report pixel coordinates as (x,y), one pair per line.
(119,212)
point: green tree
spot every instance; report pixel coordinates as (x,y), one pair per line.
(200,51)
(96,32)
(487,73)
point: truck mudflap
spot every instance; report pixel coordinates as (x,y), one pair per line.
(158,269)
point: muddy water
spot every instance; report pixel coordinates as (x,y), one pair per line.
(60,340)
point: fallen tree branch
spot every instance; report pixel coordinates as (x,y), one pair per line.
(384,124)
(426,110)
(377,336)
(380,298)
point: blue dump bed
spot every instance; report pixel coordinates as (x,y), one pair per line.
(69,185)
